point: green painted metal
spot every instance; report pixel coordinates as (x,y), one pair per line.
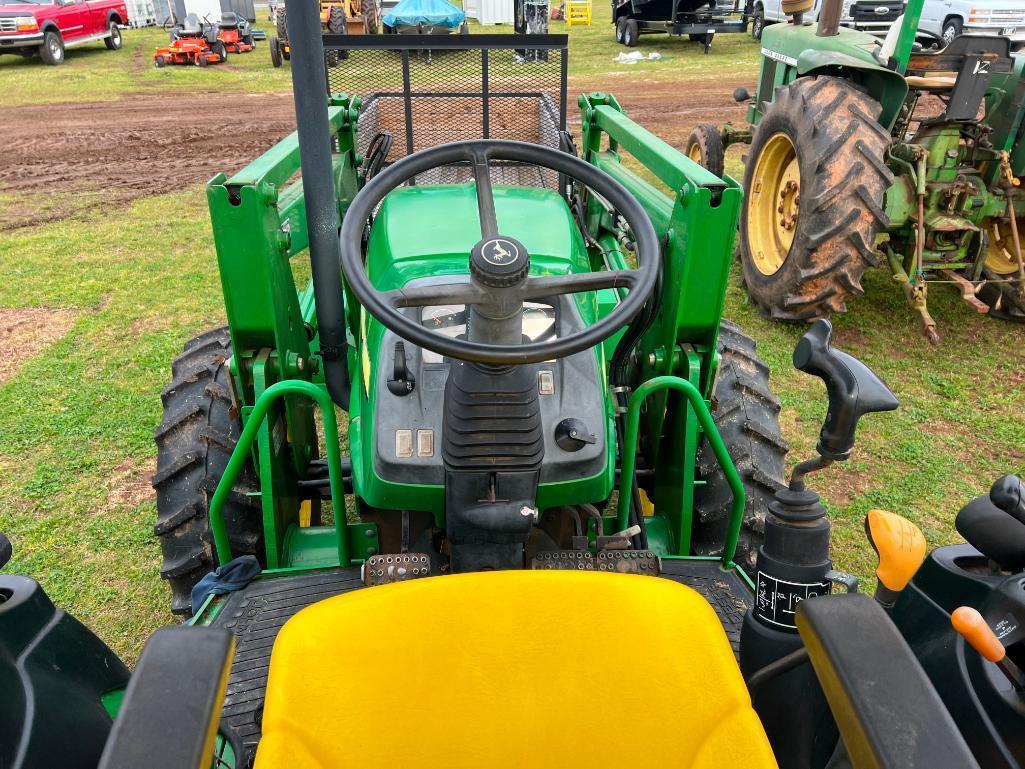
(704,417)
(695,213)
(238,458)
(260,230)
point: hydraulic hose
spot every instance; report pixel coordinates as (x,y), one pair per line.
(309,87)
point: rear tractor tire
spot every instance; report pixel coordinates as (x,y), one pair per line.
(747,415)
(704,146)
(814,188)
(200,429)
(1001,265)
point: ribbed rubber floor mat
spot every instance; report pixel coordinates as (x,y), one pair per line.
(255,615)
(726,591)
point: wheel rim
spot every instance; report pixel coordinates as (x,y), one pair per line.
(1000,258)
(773,204)
(694,152)
(948,35)
(55,49)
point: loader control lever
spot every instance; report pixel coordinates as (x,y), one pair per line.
(853,388)
(901,548)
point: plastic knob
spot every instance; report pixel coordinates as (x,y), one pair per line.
(1008,493)
(900,545)
(976,631)
(853,388)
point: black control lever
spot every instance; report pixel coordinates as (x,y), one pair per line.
(402,382)
(1008,493)
(854,389)
(5,550)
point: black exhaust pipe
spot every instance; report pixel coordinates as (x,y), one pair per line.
(309,87)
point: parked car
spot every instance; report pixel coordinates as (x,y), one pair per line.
(47,27)
(874,16)
(950,18)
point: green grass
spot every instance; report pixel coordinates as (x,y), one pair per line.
(143,279)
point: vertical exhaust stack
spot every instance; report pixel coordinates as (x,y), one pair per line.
(309,86)
(829,18)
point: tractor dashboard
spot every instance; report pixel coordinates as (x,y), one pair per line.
(423,235)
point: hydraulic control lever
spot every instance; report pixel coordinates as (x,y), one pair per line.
(973,627)
(853,388)
(794,563)
(901,548)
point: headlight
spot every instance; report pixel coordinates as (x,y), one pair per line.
(26,23)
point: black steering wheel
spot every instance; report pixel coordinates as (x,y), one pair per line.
(499,283)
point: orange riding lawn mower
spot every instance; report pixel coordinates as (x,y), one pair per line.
(203,42)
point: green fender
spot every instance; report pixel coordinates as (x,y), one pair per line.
(884,85)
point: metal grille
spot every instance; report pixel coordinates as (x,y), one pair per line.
(8,24)
(869,12)
(430,90)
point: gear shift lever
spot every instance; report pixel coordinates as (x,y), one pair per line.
(900,546)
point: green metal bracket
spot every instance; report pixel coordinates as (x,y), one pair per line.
(244,445)
(697,403)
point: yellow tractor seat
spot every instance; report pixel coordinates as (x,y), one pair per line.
(510,669)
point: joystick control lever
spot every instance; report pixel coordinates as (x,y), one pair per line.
(853,388)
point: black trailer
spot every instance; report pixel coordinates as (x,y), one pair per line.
(700,20)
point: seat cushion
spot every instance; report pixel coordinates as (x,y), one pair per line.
(511,669)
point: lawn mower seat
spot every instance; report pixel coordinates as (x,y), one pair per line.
(229,20)
(555,669)
(191,27)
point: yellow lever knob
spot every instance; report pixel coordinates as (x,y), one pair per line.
(900,545)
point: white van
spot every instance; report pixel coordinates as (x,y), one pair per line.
(950,18)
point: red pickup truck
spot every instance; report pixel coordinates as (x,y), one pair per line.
(50,26)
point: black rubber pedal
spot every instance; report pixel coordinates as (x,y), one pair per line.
(629,562)
(395,567)
(563,560)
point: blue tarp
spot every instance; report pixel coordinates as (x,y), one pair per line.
(430,13)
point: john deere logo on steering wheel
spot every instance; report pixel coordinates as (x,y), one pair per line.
(500,251)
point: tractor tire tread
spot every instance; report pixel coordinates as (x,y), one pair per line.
(747,415)
(829,120)
(199,431)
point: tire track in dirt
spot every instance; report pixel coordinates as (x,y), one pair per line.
(73,158)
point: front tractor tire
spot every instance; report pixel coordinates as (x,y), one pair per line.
(747,415)
(705,147)
(200,429)
(814,183)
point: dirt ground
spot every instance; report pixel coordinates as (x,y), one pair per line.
(66,160)
(24,333)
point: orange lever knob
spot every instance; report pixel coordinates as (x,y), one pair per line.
(976,631)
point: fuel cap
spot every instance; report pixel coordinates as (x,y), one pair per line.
(499,262)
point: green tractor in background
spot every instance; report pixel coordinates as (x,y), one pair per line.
(853,138)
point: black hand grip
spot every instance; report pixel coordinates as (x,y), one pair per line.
(854,389)
(1008,493)
(5,550)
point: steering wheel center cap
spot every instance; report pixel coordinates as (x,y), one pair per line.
(499,262)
